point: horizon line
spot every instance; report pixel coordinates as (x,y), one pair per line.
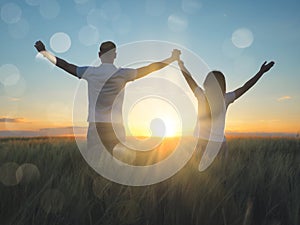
(34,134)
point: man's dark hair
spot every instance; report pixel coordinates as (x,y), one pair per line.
(106,46)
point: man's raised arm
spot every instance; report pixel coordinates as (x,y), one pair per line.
(145,70)
(68,67)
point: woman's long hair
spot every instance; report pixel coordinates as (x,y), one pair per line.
(215,89)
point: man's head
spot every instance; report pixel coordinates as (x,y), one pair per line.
(107,52)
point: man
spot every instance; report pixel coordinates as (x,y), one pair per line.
(106,83)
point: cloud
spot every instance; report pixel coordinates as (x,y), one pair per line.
(13,99)
(59,131)
(269,121)
(11,120)
(283,98)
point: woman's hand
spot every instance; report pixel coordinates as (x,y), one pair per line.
(175,54)
(266,66)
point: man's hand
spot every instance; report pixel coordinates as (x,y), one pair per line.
(175,54)
(266,67)
(39,46)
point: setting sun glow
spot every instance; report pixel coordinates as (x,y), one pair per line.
(146,120)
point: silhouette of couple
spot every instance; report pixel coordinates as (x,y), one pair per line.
(106,82)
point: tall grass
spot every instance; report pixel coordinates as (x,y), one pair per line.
(261,186)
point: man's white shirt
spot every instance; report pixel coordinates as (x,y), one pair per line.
(105,84)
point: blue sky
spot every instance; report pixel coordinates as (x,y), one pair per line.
(266,30)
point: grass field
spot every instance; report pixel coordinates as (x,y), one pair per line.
(46,181)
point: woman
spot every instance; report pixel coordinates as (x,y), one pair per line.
(213,102)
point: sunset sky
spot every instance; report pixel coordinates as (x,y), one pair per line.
(235,37)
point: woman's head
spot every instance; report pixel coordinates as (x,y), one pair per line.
(215,79)
(215,89)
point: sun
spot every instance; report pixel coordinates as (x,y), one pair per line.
(154,117)
(172,126)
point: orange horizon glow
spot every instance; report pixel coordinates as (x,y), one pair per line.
(171,129)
